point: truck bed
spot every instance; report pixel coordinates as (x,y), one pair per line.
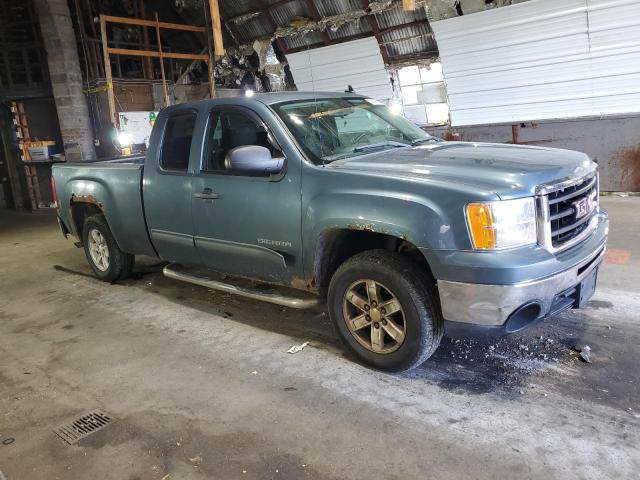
(114,186)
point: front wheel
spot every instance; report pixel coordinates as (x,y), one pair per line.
(385,310)
(105,258)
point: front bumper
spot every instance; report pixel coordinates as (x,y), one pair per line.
(488,305)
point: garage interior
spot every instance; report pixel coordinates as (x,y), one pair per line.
(187,382)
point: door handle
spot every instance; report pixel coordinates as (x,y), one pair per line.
(206,194)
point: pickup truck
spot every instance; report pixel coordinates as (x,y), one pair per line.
(332,197)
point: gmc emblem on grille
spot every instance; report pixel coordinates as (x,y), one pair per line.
(583,207)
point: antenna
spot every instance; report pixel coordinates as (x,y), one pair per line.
(315,100)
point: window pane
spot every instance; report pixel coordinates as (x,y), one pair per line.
(438,113)
(410,94)
(230,129)
(432,93)
(432,73)
(416,114)
(177,141)
(409,75)
(337,128)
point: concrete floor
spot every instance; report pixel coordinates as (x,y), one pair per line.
(200,384)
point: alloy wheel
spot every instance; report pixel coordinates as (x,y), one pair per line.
(98,249)
(374,316)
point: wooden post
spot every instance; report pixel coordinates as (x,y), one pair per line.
(218,46)
(164,80)
(212,79)
(145,38)
(107,71)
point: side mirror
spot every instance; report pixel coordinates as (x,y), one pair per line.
(252,160)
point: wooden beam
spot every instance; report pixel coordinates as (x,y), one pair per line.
(107,71)
(155,54)
(409,5)
(151,23)
(212,79)
(264,9)
(315,14)
(375,28)
(218,46)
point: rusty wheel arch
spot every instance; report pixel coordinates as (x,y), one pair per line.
(335,246)
(82,207)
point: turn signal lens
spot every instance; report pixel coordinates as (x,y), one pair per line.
(502,224)
(480,221)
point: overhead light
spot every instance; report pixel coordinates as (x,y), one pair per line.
(249,93)
(125,139)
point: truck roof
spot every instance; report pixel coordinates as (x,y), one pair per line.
(270,98)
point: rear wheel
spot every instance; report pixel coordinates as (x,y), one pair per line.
(107,261)
(385,310)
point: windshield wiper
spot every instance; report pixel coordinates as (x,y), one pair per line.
(375,146)
(420,141)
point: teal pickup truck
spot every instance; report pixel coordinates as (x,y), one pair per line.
(331,197)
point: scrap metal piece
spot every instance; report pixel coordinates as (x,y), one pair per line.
(297,348)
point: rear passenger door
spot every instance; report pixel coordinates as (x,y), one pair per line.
(246,225)
(168,187)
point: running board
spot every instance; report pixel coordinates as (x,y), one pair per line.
(204,279)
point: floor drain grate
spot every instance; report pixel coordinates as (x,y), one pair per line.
(83,426)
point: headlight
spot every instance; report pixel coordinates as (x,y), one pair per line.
(502,224)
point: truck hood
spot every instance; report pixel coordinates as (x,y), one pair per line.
(510,171)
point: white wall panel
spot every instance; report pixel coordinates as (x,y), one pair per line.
(331,69)
(542,59)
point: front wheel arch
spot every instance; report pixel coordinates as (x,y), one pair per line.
(335,246)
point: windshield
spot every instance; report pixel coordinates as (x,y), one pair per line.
(335,128)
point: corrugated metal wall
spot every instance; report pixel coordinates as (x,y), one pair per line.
(357,63)
(543,59)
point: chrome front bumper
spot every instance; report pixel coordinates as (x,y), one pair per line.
(491,305)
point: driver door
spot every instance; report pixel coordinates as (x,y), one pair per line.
(245,225)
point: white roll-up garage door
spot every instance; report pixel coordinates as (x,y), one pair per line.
(543,59)
(333,68)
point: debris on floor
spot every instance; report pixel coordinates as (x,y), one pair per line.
(585,352)
(297,348)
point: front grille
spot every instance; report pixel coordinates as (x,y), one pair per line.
(567,205)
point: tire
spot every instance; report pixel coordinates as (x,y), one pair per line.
(116,265)
(395,277)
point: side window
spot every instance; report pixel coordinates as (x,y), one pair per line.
(176,145)
(230,129)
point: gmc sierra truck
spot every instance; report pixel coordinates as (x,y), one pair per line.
(331,197)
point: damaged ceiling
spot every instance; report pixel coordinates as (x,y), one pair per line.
(259,34)
(297,25)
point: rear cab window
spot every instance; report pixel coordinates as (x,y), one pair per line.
(176,144)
